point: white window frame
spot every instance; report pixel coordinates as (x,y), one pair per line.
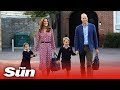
(116,25)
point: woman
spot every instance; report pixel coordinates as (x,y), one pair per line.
(45,37)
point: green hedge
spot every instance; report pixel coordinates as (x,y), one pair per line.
(112,40)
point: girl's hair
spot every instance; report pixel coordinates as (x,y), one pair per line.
(42,24)
(25,44)
(66,38)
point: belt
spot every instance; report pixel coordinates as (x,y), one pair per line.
(45,42)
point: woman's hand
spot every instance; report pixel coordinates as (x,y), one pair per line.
(58,61)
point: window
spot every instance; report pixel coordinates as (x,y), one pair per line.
(116,15)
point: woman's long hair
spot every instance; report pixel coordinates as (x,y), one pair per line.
(42,25)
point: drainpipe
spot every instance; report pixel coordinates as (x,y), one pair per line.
(0,34)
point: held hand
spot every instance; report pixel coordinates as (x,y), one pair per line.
(31,56)
(58,61)
(54,51)
(97,51)
(76,52)
(35,53)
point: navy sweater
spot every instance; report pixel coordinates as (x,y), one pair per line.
(66,53)
(27,55)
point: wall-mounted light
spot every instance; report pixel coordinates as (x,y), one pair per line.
(100,23)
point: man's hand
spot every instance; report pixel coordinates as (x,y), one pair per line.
(76,52)
(97,51)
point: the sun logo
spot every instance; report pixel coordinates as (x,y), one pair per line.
(21,72)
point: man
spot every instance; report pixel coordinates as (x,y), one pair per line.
(85,41)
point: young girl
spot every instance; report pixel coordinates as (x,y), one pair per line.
(66,52)
(27,55)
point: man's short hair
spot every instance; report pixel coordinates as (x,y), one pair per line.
(83,14)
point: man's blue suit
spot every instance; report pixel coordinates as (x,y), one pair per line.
(79,38)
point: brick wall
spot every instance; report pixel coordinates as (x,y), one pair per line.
(106,19)
(65,23)
(12,25)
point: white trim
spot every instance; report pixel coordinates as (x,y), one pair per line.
(114,22)
(14,14)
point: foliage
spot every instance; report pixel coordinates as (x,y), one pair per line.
(40,13)
(112,40)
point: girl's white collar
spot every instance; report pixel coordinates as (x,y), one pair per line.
(26,50)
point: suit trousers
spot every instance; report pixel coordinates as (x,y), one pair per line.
(88,55)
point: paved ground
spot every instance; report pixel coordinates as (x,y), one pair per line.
(109,64)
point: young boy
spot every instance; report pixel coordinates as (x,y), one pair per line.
(27,55)
(66,51)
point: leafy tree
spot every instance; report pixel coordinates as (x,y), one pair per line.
(52,15)
(40,13)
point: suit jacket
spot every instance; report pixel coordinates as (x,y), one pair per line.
(79,37)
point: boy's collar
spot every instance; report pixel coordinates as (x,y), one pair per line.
(26,50)
(66,46)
